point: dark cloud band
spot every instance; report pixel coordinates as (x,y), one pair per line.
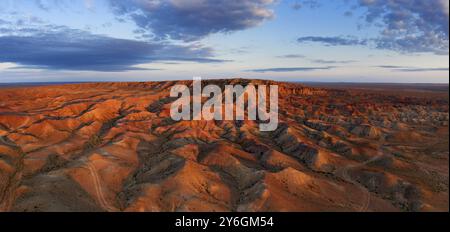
(69,49)
(192,20)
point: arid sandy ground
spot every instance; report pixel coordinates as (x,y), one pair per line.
(114,147)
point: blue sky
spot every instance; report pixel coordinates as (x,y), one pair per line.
(289,40)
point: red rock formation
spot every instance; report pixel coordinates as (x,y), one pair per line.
(113,147)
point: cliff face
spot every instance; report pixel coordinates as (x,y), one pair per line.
(114,147)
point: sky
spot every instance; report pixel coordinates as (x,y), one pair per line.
(401,41)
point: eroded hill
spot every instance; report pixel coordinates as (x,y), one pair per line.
(114,147)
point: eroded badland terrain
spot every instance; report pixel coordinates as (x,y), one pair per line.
(114,147)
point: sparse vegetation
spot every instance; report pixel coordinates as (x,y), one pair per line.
(93,142)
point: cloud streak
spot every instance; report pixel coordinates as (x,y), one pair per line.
(412,69)
(317,61)
(291,56)
(320,61)
(293,69)
(332,41)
